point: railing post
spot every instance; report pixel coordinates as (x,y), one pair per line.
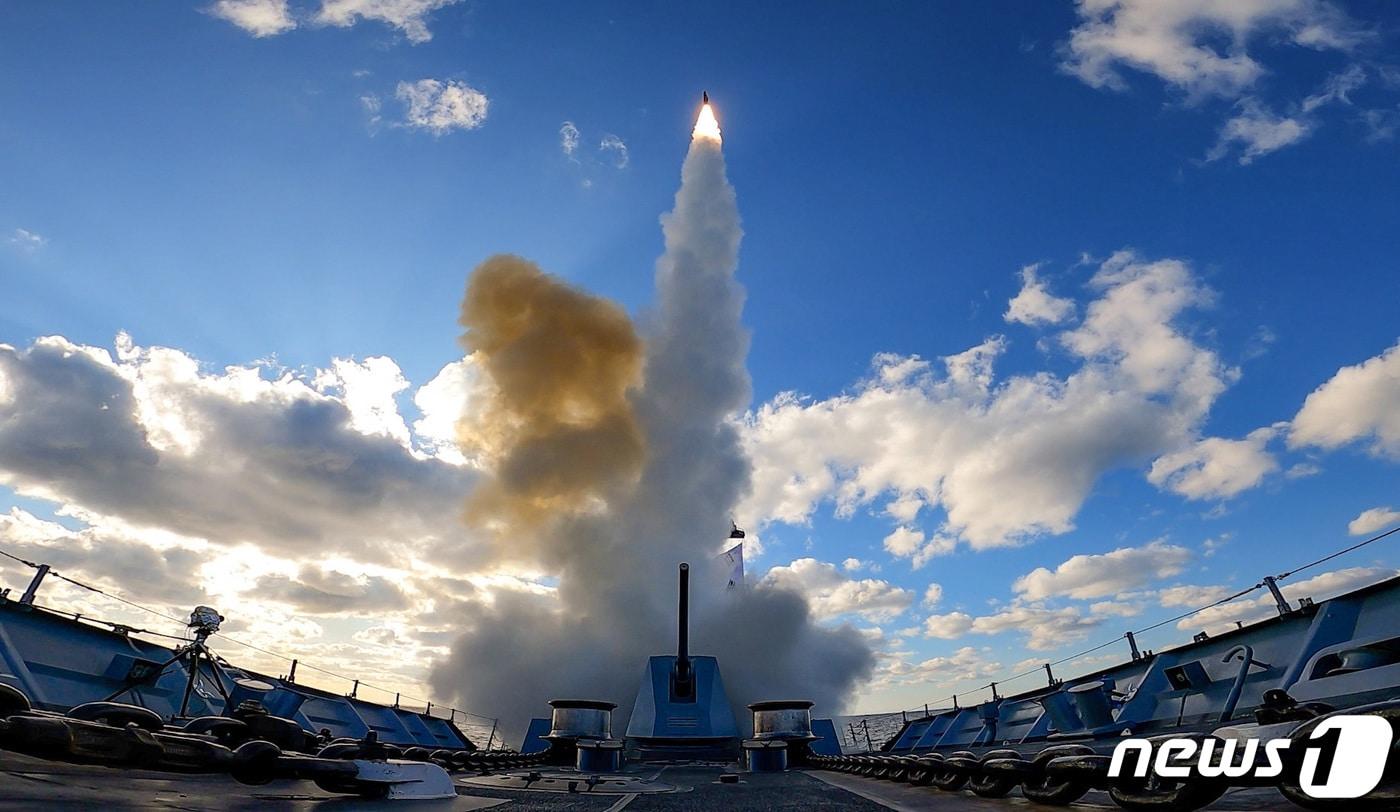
(1050,675)
(993,686)
(1282,602)
(354,689)
(396,700)
(28,597)
(1132,644)
(292,675)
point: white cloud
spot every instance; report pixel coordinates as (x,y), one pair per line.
(933,595)
(618,148)
(368,390)
(1192,596)
(1004,459)
(155,440)
(408,16)
(1358,403)
(1258,131)
(1248,610)
(1034,304)
(261,18)
(966,663)
(852,565)
(568,138)
(906,542)
(27,241)
(440,107)
(948,627)
(1216,468)
(1114,609)
(1373,520)
(831,594)
(1045,629)
(442,401)
(1095,576)
(1197,46)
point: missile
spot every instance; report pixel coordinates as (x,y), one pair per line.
(704,97)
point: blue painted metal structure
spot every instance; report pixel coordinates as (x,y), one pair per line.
(60,662)
(1343,652)
(661,717)
(827,742)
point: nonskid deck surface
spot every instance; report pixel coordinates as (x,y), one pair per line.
(905,797)
(29,783)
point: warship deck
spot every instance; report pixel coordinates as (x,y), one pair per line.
(30,783)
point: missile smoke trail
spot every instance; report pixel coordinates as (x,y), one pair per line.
(653,470)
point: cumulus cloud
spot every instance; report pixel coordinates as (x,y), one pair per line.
(408,16)
(948,626)
(1005,459)
(329,591)
(1034,304)
(116,558)
(1357,404)
(832,594)
(368,389)
(933,595)
(1192,595)
(965,663)
(1249,610)
(906,542)
(1199,48)
(261,18)
(1373,520)
(152,438)
(441,107)
(1095,576)
(442,401)
(1216,468)
(1044,628)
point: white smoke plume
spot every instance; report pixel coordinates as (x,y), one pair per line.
(615,552)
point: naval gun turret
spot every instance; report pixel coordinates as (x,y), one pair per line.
(682,710)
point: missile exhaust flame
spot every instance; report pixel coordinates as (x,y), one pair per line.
(706,126)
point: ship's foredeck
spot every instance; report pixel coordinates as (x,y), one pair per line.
(28,783)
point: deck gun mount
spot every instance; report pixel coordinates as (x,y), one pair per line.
(681,707)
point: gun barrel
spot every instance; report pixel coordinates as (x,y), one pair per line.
(683,644)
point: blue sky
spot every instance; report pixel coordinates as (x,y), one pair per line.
(169,173)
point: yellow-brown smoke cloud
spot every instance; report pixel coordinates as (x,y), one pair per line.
(558,433)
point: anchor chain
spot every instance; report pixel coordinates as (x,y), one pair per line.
(252,746)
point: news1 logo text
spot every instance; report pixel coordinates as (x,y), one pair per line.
(1342,757)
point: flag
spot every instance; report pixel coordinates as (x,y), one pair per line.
(734,561)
